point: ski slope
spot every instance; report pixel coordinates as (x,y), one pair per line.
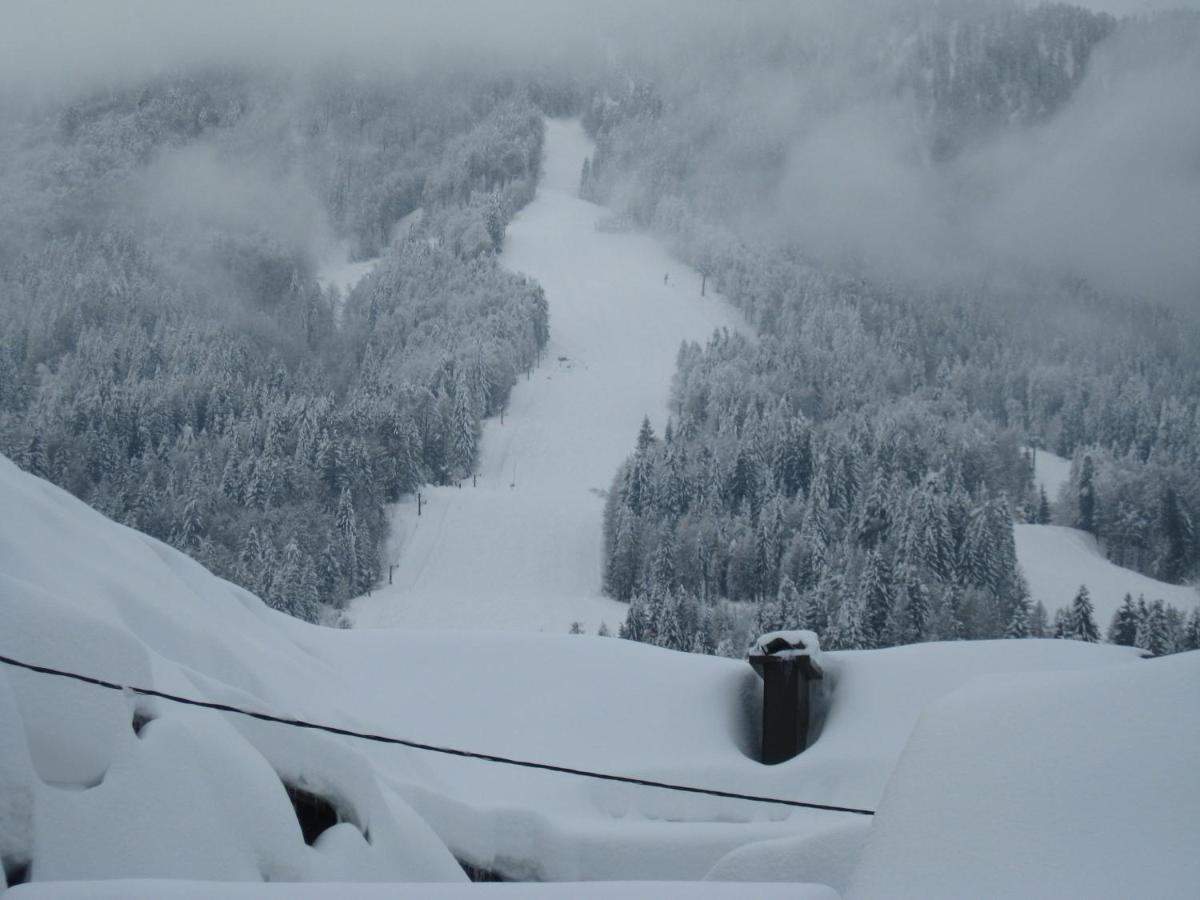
(1057,560)
(521,548)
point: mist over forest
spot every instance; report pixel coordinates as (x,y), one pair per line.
(824,110)
(960,229)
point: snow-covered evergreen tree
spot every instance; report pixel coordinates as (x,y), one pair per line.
(1082,623)
(1124,627)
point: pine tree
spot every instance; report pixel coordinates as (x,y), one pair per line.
(585,176)
(847,631)
(464,427)
(636,626)
(1082,626)
(1124,627)
(1038,621)
(1087,496)
(622,571)
(35,460)
(1177,529)
(1043,507)
(918,607)
(814,612)
(248,557)
(669,629)
(790,605)
(768,615)
(292,589)
(875,593)
(1018,624)
(645,438)
(662,567)
(1153,635)
(191,525)
(949,615)
(348,556)
(1191,634)
(1062,624)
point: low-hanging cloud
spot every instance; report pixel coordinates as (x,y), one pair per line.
(1108,190)
(196,188)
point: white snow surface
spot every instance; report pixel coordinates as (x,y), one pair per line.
(828,857)
(1046,785)
(199,795)
(1057,560)
(521,549)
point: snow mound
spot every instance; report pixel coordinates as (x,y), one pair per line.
(826,858)
(1046,785)
(1057,560)
(873,699)
(125,786)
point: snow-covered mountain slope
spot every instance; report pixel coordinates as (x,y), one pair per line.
(199,794)
(1057,560)
(521,548)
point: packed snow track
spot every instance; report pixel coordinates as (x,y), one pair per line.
(519,547)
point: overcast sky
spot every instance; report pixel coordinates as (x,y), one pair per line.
(57,43)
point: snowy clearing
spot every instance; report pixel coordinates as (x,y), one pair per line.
(1057,560)
(521,549)
(1050,473)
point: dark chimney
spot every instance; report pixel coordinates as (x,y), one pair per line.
(784,661)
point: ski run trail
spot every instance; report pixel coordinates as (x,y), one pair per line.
(520,549)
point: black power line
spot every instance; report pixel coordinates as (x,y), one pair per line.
(431,748)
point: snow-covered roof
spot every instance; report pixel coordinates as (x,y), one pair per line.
(199,794)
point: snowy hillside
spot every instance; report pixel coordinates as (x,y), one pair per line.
(1057,560)
(129,608)
(521,548)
